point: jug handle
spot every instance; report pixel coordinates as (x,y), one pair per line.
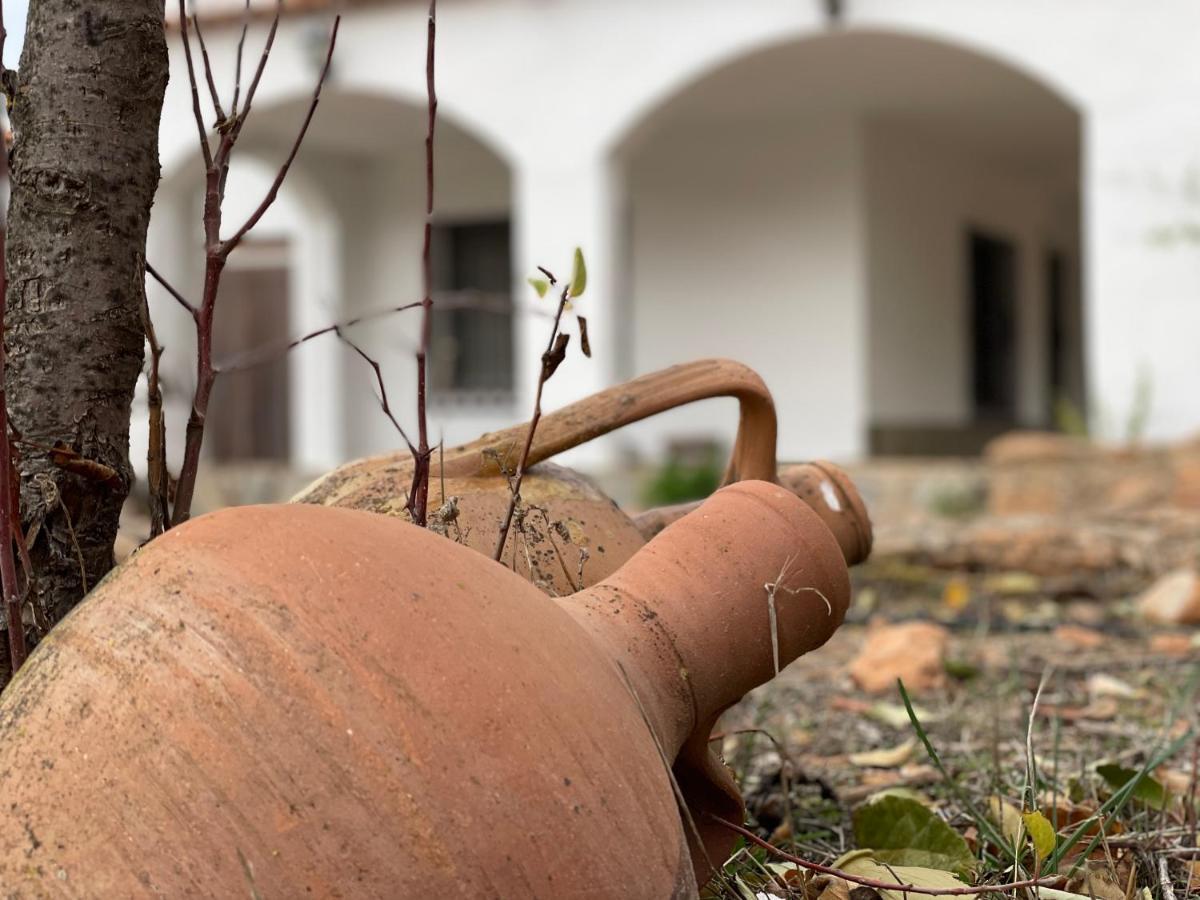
(753,450)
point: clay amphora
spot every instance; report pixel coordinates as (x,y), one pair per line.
(567,515)
(292,701)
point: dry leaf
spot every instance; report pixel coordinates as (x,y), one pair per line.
(1078,637)
(1100,684)
(584,344)
(914,652)
(887,757)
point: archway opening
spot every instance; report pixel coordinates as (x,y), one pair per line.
(887,227)
(344,241)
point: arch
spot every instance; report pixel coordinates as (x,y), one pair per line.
(721,57)
(808,206)
(352,209)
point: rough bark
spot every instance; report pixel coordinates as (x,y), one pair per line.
(84,169)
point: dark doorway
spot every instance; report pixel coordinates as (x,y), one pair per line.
(993,303)
(1057,330)
(249,416)
(471,348)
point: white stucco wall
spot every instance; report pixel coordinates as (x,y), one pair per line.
(556,89)
(924,194)
(747,242)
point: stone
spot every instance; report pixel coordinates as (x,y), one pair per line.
(1174,599)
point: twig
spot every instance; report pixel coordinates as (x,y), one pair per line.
(383,397)
(1164,880)
(228,245)
(419,494)
(237,72)
(271,352)
(258,71)
(179,298)
(896,885)
(550,360)
(216,250)
(205,149)
(156,451)
(208,75)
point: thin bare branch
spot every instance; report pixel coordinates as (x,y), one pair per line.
(237,72)
(166,285)
(156,450)
(550,361)
(208,73)
(205,150)
(383,397)
(236,128)
(228,245)
(261,356)
(419,494)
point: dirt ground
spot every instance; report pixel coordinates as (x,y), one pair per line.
(813,746)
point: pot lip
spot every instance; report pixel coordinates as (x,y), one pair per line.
(850,498)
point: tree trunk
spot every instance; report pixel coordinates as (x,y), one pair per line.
(84,171)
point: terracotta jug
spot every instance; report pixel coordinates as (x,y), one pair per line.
(574,536)
(288,701)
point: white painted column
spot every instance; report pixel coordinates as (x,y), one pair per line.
(1142,267)
(560,204)
(315,371)
(174,248)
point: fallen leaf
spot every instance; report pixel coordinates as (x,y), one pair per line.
(1013,583)
(956,594)
(1078,637)
(1177,645)
(1100,684)
(1041,832)
(1101,710)
(913,652)
(899,791)
(1148,790)
(896,716)
(903,832)
(886,758)
(1097,880)
(1174,599)
(863,864)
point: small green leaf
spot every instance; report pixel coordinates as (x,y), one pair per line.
(903,832)
(1149,791)
(578,275)
(1041,832)
(541,285)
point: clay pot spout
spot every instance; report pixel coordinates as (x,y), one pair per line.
(711,608)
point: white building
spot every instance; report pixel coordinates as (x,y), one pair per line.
(920,220)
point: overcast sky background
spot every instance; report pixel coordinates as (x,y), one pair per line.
(14,22)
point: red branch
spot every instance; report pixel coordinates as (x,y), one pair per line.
(418,497)
(554,348)
(216,250)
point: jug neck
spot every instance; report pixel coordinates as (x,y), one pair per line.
(716,603)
